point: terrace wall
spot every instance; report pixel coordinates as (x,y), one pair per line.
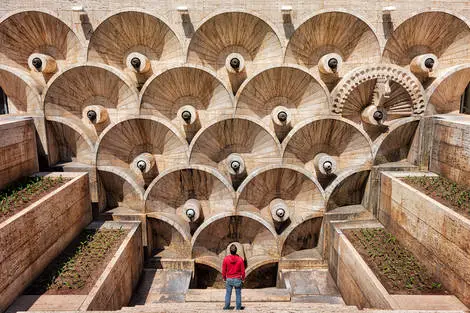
(114,288)
(18,153)
(32,238)
(438,236)
(450,155)
(360,286)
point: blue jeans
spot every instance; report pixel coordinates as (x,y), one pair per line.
(231,283)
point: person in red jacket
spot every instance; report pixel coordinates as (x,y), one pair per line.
(233,273)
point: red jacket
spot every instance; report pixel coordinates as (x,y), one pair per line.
(233,267)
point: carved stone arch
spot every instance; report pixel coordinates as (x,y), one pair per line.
(169,238)
(302,240)
(446,91)
(439,32)
(76,91)
(333,139)
(341,35)
(134,31)
(387,72)
(200,188)
(242,139)
(397,143)
(119,189)
(22,91)
(287,88)
(66,142)
(295,186)
(25,32)
(258,237)
(262,274)
(348,188)
(148,140)
(190,88)
(222,35)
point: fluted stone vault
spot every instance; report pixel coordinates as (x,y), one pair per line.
(231,131)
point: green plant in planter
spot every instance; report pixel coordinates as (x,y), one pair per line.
(77,266)
(391,261)
(443,188)
(25,190)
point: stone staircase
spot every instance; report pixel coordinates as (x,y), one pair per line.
(167,291)
(157,286)
(276,307)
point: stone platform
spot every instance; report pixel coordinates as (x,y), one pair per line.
(248,295)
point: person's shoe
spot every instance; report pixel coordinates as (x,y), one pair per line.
(241,308)
(227,308)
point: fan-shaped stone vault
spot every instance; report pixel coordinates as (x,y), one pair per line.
(219,127)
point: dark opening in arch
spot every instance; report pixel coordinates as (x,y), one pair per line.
(465,101)
(3,102)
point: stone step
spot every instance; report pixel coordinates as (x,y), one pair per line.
(310,282)
(317,299)
(248,295)
(255,307)
(351,212)
(277,307)
(161,286)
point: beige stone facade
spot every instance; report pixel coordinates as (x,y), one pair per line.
(216,122)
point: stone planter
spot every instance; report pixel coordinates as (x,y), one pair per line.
(360,286)
(114,288)
(33,237)
(115,285)
(439,236)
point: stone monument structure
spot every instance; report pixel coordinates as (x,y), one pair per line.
(254,122)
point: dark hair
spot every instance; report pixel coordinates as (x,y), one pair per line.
(233,249)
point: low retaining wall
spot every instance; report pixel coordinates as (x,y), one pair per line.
(18,152)
(438,236)
(114,288)
(450,155)
(32,238)
(359,286)
(355,280)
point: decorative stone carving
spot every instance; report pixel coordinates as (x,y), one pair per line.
(424,64)
(189,87)
(96,114)
(437,33)
(279,210)
(284,88)
(127,34)
(42,63)
(138,62)
(32,32)
(344,144)
(324,164)
(350,39)
(221,39)
(330,64)
(385,72)
(224,139)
